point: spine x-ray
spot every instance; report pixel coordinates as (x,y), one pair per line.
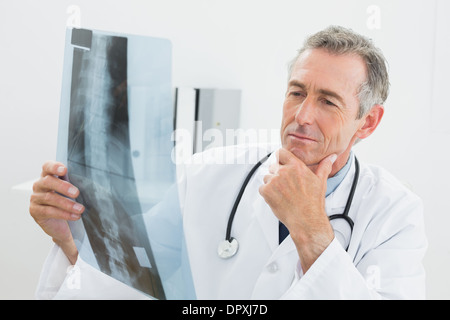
(116,122)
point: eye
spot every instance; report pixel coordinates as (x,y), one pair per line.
(329,103)
(296,94)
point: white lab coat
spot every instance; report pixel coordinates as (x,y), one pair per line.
(384,258)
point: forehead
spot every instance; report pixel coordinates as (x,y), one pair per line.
(318,69)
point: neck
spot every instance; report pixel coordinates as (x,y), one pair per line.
(340,162)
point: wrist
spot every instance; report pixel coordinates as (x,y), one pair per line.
(311,245)
(70,250)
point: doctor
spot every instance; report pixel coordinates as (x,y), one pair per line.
(288,246)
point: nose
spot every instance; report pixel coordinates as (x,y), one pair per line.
(305,113)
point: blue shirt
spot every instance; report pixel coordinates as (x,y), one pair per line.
(335,181)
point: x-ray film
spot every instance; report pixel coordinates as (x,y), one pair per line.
(116,122)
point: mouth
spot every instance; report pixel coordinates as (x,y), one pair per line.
(301,138)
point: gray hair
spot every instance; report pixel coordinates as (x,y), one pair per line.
(339,40)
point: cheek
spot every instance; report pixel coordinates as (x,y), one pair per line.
(336,131)
(288,116)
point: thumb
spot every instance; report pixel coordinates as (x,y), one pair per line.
(325,167)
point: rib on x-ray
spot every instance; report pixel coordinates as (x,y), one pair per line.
(115,131)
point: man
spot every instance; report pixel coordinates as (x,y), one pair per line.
(288,248)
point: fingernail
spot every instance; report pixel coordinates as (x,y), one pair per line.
(75,216)
(77,207)
(60,170)
(72,191)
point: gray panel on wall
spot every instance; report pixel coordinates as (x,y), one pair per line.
(217,109)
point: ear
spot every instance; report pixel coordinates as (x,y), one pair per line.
(370,121)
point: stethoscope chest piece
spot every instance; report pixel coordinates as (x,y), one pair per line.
(228,249)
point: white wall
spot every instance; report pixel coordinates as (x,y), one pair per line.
(226,44)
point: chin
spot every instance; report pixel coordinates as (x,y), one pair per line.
(306,157)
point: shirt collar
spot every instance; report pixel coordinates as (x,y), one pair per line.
(335,181)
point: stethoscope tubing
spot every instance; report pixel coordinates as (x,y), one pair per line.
(344,215)
(241,192)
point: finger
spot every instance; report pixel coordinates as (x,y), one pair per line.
(53,168)
(283,156)
(273,168)
(267,178)
(41,212)
(55,200)
(51,183)
(270,196)
(262,190)
(325,166)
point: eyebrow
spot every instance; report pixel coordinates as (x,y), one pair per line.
(325,92)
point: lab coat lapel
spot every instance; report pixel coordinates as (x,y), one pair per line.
(267,222)
(266,219)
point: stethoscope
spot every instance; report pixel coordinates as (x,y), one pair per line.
(229,247)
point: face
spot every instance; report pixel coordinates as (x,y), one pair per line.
(321,105)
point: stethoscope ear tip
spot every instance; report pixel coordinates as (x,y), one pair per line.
(227,248)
